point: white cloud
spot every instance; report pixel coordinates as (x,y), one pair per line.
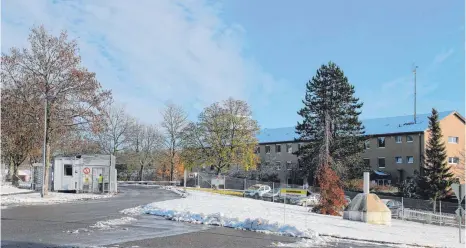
(396,97)
(150,52)
(444,55)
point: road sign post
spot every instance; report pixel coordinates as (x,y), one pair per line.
(460,192)
(460,198)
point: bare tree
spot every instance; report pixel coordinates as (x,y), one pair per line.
(149,144)
(51,68)
(116,131)
(174,121)
(225,135)
(18,131)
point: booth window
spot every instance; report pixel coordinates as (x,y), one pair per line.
(68,169)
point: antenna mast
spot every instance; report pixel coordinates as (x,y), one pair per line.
(414,71)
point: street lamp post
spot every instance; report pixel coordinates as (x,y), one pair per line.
(42,192)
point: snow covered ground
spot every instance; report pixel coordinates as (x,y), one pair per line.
(51,198)
(243,213)
(8,189)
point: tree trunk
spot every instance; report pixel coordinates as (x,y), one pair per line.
(435,203)
(172,165)
(15,177)
(10,170)
(140,172)
(46,168)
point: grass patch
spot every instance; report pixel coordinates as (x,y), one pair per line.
(220,191)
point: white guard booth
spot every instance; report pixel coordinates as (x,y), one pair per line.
(81,173)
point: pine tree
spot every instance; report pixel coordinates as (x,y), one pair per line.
(435,182)
(329,92)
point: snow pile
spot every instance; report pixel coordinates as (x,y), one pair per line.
(204,207)
(51,198)
(108,224)
(318,242)
(218,219)
(80,230)
(8,189)
(133,211)
(180,192)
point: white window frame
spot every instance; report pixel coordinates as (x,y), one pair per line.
(291,148)
(452,161)
(278,145)
(64,170)
(396,159)
(398,141)
(266,149)
(288,165)
(407,159)
(378,165)
(412,139)
(453,142)
(278,164)
(384,142)
(367,144)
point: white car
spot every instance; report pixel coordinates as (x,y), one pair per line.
(310,200)
(257,190)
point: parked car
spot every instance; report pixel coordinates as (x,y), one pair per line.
(392,204)
(257,191)
(347,200)
(310,200)
(273,194)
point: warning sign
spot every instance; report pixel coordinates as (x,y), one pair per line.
(293,192)
(86,170)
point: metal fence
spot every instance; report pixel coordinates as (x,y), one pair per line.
(204,180)
(410,209)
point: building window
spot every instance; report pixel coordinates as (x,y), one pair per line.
(367,144)
(68,169)
(381,162)
(453,140)
(381,142)
(258,149)
(299,146)
(410,159)
(367,163)
(453,160)
(277,165)
(278,148)
(399,160)
(288,165)
(398,139)
(289,148)
(267,149)
(409,138)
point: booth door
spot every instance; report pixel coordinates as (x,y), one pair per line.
(95,179)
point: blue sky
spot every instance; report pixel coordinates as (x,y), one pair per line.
(194,53)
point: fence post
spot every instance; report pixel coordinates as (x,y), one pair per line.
(244,188)
(440,210)
(402,209)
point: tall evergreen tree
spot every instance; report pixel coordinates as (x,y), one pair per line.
(434,183)
(330,93)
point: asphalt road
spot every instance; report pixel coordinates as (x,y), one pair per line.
(53,225)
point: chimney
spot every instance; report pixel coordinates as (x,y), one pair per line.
(366,182)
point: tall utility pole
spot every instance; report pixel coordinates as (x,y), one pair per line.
(46,106)
(414,71)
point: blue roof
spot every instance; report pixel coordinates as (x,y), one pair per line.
(387,125)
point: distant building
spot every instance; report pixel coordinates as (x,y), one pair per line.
(394,147)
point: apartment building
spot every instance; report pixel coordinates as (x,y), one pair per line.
(394,146)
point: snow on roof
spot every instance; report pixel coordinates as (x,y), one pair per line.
(387,125)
